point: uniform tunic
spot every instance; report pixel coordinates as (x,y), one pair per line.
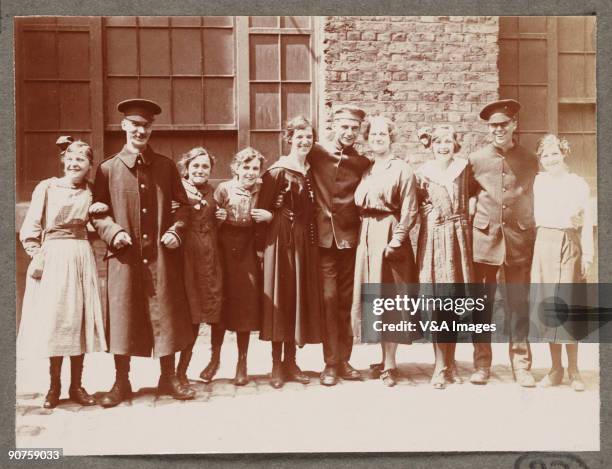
(564,237)
(503,225)
(201,260)
(62,314)
(292,304)
(388,204)
(241,304)
(148,313)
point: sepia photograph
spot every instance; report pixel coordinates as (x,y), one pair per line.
(216,218)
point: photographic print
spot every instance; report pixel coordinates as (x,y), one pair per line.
(211,212)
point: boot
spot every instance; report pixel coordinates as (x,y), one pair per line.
(276,377)
(211,369)
(76,391)
(291,370)
(55,384)
(183,364)
(168,382)
(241,377)
(122,389)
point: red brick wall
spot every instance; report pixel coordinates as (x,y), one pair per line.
(417,70)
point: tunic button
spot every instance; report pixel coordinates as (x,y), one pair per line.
(145,261)
(503,206)
(503,223)
(145,236)
(144,210)
(503,174)
(142,186)
(504,189)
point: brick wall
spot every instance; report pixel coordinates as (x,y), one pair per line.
(416,70)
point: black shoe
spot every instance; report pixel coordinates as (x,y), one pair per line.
(80,396)
(170,385)
(52,398)
(241,378)
(346,371)
(211,369)
(276,377)
(329,376)
(293,373)
(120,391)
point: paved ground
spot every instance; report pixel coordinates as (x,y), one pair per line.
(353,416)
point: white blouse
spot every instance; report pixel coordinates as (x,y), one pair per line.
(562,202)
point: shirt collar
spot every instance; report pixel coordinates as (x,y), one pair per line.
(238,189)
(129,157)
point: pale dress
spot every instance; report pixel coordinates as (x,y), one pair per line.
(62,313)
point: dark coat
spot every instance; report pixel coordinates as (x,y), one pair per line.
(147,310)
(503,225)
(336,174)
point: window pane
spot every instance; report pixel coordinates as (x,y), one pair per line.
(268,144)
(532,24)
(188,99)
(591,33)
(118,89)
(73,51)
(218,52)
(265,106)
(296,57)
(121,58)
(75,106)
(218,21)
(590,90)
(571,76)
(570,32)
(296,101)
(577,117)
(41,106)
(508,25)
(186,51)
(530,140)
(158,90)
(120,20)
(264,21)
(533,62)
(37,168)
(508,92)
(219,95)
(295,22)
(508,61)
(186,20)
(534,110)
(40,60)
(153,20)
(154,52)
(264,57)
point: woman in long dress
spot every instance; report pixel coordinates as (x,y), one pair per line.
(563,251)
(386,198)
(241,304)
(444,250)
(62,313)
(201,260)
(292,300)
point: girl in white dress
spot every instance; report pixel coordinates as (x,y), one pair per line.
(62,313)
(563,251)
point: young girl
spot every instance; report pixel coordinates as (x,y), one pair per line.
(563,251)
(62,314)
(445,241)
(202,265)
(241,304)
(292,305)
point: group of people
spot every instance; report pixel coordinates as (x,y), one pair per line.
(285,250)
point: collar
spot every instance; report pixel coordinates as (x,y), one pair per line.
(387,164)
(129,158)
(433,172)
(286,162)
(238,189)
(189,187)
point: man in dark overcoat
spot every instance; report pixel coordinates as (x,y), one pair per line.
(336,170)
(147,311)
(502,176)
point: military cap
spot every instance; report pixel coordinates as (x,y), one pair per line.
(349,111)
(500,111)
(140,110)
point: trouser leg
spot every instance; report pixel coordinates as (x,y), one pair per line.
(517,288)
(329,274)
(486,274)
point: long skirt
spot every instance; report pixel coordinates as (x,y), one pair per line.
(241,305)
(371,267)
(62,313)
(557,295)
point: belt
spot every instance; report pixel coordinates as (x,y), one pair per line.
(76,232)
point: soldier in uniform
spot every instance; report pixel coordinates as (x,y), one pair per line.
(336,170)
(502,175)
(147,311)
